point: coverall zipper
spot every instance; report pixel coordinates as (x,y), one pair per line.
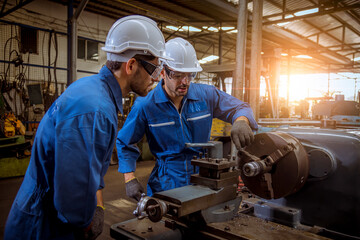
(182,129)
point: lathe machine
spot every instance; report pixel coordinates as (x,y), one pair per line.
(300,183)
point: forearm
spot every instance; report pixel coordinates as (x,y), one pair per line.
(243,118)
(129,176)
(99,198)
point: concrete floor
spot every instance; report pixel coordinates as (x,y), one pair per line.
(118,207)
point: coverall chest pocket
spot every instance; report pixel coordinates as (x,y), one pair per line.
(165,133)
(199,124)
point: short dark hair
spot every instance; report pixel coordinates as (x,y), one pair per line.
(144,57)
(114,65)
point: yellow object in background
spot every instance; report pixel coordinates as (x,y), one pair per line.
(20,127)
(13,126)
(220,128)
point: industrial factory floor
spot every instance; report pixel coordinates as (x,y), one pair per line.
(118,206)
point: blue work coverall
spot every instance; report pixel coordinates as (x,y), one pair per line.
(167,130)
(70,156)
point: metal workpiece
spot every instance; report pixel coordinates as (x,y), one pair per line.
(274,165)
(251,169)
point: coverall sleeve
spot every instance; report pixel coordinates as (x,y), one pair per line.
(129,135)
(82,150)
(229,108)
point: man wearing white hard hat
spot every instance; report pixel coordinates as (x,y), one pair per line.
(176,112)
(60,197)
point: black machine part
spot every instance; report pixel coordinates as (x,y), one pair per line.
(275,165)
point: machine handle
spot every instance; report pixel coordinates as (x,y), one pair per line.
(198,145)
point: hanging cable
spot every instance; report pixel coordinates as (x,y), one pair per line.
(49,63)
(55,62)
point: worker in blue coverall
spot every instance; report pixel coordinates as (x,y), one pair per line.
(174,113)
(60,197)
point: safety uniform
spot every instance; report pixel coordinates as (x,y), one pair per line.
(70,156)
(167,130)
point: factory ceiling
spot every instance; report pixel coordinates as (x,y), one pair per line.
(312,35)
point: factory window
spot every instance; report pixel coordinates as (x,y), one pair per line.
(81,49)
(29,39)
(88,50)
(92,51)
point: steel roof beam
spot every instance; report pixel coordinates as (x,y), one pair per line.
(346,24)
(320,13)
(192,9)
(230,9)
(20,5)
(333,55)
(334,9)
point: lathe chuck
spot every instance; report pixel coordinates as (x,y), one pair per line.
(274,165)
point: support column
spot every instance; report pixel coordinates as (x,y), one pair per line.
(220,44)
(288,79)
(70,46)
(275,67)
(255,70)
(239,76)
(72,38)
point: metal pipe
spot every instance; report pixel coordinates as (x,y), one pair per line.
(288,79)
(255,70)
(72,38)
(69,43)
(220,44)
(239,77)
(80,9)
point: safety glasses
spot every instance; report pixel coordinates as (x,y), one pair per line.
(178,76)
(152,69)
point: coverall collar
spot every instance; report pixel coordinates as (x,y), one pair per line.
(161,96)
(114,87)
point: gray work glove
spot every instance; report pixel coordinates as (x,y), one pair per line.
(241,134)
(134,189)
(95,228)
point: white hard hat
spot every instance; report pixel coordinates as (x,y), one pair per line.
(183,54)
(133,35)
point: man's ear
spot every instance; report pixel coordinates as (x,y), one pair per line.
(131,66)
(162,73)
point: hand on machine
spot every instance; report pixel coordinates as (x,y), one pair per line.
(134,189)
(241,134)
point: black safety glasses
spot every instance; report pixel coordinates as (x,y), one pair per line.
(152,69)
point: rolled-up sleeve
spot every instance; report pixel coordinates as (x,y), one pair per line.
(129,135)
(83,149)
